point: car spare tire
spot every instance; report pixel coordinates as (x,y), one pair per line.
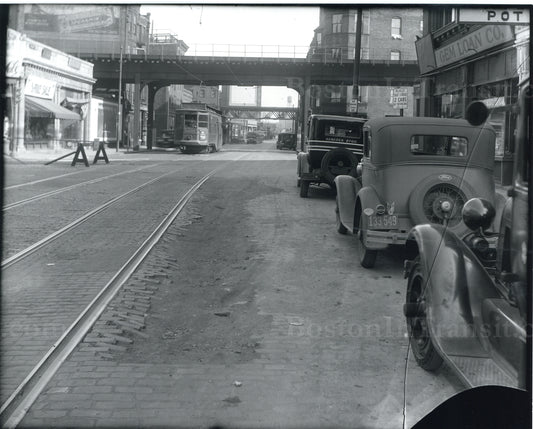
(439,198)
(336,162)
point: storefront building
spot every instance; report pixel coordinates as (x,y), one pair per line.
(48,96)
(461,62)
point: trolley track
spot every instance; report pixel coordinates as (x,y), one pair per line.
(39,217)
(18,403)
(71,187)
(46,179)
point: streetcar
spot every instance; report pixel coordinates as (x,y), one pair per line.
(198,128)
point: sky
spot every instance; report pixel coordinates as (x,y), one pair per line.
(198,26)
(237,24)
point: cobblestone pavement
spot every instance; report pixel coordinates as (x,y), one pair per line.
(332,352)
(43,294)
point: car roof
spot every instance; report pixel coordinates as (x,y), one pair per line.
(378,123)
(338,118)
(391,139)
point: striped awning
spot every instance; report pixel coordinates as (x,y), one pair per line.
(41,108)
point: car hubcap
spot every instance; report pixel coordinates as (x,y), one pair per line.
(444,203)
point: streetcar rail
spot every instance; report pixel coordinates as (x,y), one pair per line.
(68,188)
(19,402)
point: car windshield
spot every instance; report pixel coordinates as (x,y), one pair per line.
(439,145)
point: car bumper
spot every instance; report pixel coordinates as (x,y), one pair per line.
(381,239)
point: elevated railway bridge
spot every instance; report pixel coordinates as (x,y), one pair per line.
(159,70)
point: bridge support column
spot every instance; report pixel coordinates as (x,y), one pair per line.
(137,110)
(150,135)
(306,108)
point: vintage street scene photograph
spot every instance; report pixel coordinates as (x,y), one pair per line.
(266,215)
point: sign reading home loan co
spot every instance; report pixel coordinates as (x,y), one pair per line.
(478,41)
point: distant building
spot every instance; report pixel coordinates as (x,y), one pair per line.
(94,29)
(240,96)
(47,97)
(387,34)
(83,29)
(166,101)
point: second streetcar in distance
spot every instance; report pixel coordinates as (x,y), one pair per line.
(198,128)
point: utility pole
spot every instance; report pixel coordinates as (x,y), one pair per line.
(357,60)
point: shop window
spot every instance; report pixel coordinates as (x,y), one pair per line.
(337,25)
(451,105)
(441,16)
(497,120)
(335,96)
(396,27)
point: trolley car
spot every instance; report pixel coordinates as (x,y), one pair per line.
(198,128)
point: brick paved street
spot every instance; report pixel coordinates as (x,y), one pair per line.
(327,345)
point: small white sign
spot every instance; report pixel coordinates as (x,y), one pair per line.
(38,87)
(494,16)
(399,97)
(352,107)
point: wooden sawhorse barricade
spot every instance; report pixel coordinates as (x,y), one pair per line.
(80,156)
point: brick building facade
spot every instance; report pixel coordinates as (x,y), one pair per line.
(387,34)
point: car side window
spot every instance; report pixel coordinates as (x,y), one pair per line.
(439,145)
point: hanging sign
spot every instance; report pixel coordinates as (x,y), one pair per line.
(488,36)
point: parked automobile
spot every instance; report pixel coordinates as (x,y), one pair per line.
(253,138)
(286,141)
(165,139)
(332,147)
(414,171)
(466,305)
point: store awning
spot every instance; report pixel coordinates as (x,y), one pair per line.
(41,108)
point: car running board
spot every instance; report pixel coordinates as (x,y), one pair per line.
(480,371)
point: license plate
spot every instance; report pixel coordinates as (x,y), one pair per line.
(383,221)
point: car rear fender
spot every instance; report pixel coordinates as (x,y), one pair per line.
(303,163)
(347,189)
(458,284)
(367,198)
